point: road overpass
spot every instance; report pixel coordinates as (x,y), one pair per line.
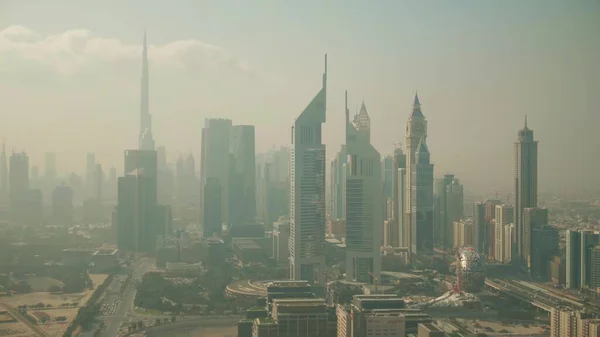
(509,290)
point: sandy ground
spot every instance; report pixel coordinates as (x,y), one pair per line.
(54,299)
(54,328)
(515,329)
(15,330)
(58,328)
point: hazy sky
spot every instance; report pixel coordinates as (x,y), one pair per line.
(70,70)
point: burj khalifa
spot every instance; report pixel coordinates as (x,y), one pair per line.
(146,140)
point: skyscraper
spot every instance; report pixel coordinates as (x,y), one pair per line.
(504,219)
(416,129)
(139,218)
(532,218)
(573,265)
(3,173)
(62,205)
(99,182)
(398,192)
(363,200)
(449,208)
(338,181)
(90,169)
(401,226)
(215,160)
(242,166)
(422,200)
(480,228)
(50,169)
(165,178)
(387,166)
(18,184)
(146,140)
(212,217)
(135,210)
(34,180)
(307,191)
(526,171)
(543,251)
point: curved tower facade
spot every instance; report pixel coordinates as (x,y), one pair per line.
(307,191)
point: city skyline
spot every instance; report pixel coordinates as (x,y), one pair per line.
(197,60)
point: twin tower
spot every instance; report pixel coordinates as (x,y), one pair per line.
(358,193)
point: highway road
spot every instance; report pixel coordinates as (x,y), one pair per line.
(125,299)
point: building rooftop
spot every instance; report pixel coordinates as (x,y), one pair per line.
(246,244)
(430,327)
(109,252)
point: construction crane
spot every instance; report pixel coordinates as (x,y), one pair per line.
(376,281)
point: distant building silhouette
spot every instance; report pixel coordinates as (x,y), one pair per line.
(138,217)
(62,205)
(4,182)
(18,185)
(242,176)
(215,160)
(212,221)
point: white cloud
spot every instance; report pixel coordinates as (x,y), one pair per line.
(73,50)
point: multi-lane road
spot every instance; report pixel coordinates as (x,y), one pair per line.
(118,302)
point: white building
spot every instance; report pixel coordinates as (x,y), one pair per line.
(503,234)
(307,191)
(363,200)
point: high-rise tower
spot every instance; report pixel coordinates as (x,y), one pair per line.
(307,191)
(3,173)
(214,163)
(146,140)
(416,129)
(363,200)
(525,184)
(422,201)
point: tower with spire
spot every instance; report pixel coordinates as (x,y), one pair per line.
(526,185)
(146,139)
(307,191)
(364,200)
(416,130)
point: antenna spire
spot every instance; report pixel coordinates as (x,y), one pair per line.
(346,107)
(525,121)
(325,73)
